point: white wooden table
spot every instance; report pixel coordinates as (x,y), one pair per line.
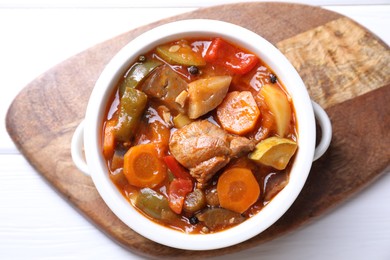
(36,223)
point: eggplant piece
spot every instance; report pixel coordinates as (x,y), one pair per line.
(116,162)
(219,218)
(165,85)
(274,183)
(118,178)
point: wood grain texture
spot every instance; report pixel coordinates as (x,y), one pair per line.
(41,120)
(351,61)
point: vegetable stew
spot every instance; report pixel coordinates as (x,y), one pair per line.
(199,135)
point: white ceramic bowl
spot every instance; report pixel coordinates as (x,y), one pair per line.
(88,134)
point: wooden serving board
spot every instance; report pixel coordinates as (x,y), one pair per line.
(345,67)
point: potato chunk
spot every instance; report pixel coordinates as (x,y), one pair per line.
(206,94)
(279,106)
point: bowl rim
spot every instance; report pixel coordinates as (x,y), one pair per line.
(103,90)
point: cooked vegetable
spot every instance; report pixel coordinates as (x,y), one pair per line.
(267,125)
(237,189)
(274,151)
(132,106)
(177,170)
(165,85)
(181,120)
(182,98)
(180,186)
(152,203)
(212,196)
(218,218)
(109,139)
(274,183)
(279,105)
(180,53)
(118,178)
(231,57)
(136,73)
(177,191)
(117,160)
(206,94)
(194,201)
(159,134)
(153,131)
(238,112)
(142,166)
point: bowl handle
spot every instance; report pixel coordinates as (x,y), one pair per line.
(326,127)
(76,149)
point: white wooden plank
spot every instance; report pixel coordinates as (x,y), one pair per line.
(163,4)
(41,38)
(36,222)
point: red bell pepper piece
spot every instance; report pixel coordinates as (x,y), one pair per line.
(180,186)
(177,191)
(230,56)
(177,170)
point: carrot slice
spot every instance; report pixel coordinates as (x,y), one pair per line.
(109,139)
(142,166)
(238,113)
(237,189)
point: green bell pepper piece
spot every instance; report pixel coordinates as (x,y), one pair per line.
(132,106)
(152,203)
(136,73)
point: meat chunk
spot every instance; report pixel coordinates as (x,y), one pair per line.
(166,85)
(241,145)
(197,142)
(204,171)
(204,149)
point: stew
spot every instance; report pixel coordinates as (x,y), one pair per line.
(199,135)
